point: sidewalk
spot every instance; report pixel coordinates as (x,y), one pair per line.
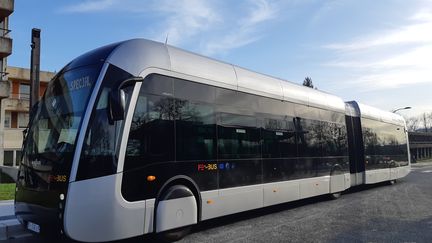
(9,225)
(422,163)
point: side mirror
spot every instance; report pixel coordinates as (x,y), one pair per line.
(24,132)
(117,99)
(117,105)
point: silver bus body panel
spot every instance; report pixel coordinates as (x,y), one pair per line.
(223,202)
(339,182)
(403,171)
(176,213)
(136,55)
(381,115)
(222,74)
(378,175)
(387,174)
(96,212)
(357,178)
(260,84)
(149,215)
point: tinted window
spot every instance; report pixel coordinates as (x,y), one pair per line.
(238,137)
(239,150)
(385,144)
(151,136)
(100,148)
(195,131)
(308,137)
(334,138)
(278,138)
(275,107)
(305,112)
(158,85)
(187,90)
(236,99)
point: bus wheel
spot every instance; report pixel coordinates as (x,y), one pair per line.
(335,195)
(174,235)
(176,212)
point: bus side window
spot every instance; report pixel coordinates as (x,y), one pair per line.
(151,136)
(195,131)
(239,150)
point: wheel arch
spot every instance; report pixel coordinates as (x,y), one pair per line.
(179,180)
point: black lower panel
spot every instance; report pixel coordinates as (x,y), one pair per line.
(212,175)
(135,185)
(47,218)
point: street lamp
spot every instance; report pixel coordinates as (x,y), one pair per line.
(402,108)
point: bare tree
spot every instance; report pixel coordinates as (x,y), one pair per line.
(421,122)
(424,119)
(413,123)
(308,82)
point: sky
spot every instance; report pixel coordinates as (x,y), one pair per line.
(376,52)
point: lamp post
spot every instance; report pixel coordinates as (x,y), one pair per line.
(402,108)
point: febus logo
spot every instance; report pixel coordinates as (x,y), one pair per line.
(80,83)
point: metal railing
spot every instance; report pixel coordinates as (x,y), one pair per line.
(4,32)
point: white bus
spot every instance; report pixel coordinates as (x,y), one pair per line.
(140,137)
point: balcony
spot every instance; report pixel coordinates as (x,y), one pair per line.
(4,89)
(5,46)
(17,103)
(13,138)
(6,8)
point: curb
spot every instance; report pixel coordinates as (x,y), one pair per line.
(421,164)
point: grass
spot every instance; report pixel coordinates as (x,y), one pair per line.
(7,191)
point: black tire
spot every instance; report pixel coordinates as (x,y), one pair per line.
(337,170)
(335,195)
(174,235)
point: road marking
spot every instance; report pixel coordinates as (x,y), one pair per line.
(427,171)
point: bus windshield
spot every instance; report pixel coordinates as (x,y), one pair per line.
(53,130)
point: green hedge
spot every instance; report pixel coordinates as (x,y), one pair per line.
(7,191)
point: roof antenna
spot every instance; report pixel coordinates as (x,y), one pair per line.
(166,39)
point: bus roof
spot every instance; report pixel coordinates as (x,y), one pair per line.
(361,110)
(136,55)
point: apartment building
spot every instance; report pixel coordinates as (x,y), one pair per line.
(14,112)
(6,9)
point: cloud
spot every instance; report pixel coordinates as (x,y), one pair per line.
(389,59)
(210,27)
(244,31)
(88,6)
(411,34)
(185,19)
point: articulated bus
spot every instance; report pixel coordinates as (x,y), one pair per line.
(140,137)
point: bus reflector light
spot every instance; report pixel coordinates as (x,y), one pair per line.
(209,201)
(151,178)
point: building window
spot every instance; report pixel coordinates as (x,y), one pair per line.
(17,157)
(23,119)
(24,91)
(7,119)
(8,158)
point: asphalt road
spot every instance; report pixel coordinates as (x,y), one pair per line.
(380,213)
